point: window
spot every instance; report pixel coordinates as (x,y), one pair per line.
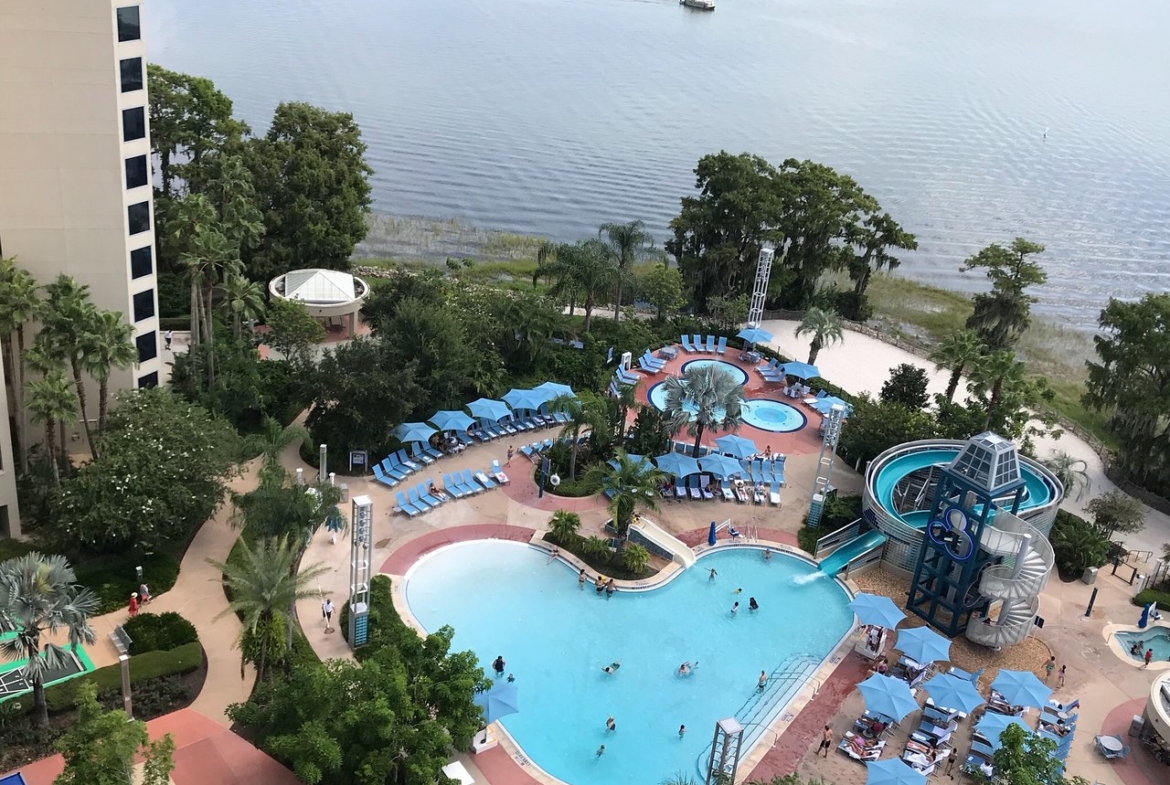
(139,217)
(128,28)
(131,74)
(144,305)
(147,346)
(141,262)
(133,124)
(136,172)
(150,380)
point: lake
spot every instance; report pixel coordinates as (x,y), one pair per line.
(553,116)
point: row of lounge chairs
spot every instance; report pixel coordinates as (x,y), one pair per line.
(700,487)
(694,344)
(426,496)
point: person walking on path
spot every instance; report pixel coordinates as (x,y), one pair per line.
(134,612)
(1060,676)
(144,594)
(327,614)
(498,666)
(826,741)
(168,337)
(511,452)
(1048,668)
(1149,654)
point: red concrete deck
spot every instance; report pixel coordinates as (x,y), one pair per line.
(400,561)
(699,536)
(522,489)
(1140,768)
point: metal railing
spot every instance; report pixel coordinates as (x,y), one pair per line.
(1011,632)
(836,539)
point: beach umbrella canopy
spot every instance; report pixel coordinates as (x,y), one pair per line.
(711,534)
(923,644)
(951,692)
(877,610)
(413,432)
(452,421)
(678,465)
(824,404)
(554,390)
(799,370)
(754,335)
(887,696)
(1021,688)
(994,724)
(720,465)
(519,399)
(488,409)
(893,771)
(736,446)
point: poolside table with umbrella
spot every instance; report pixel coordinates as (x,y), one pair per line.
(951,692)
(676,464)
(720,466)
(892,772)
(524,400)
(452,420)
(555,390)
(488,409)
(992,725)
(736,446)
(823,405)
(754,335)
(414,432)
(500,701)
(877,610)
(887,696)
(1021,688)
(923,644)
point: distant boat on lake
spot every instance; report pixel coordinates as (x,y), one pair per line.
(702,5)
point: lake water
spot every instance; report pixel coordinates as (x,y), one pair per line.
(552,116)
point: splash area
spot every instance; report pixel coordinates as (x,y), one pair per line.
(1156,638)
(14,683)
(506,598)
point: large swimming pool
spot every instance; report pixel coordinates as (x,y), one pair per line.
(762,413)
(505,598)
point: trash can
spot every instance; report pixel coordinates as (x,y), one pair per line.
(1089,576)
(344,492)
(1135,725)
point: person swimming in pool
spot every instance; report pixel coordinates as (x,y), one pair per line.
(738,591)
(735,609)
(612,668)
(687,668)
(599,584)
(752,604)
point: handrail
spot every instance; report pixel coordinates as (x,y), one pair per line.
(837,538)
(1000,582)
(1013,525)
(1005,634)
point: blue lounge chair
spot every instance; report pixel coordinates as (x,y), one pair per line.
(710,344)
(469,482)
(697,342)
(417,454)
(452,487)
(381,477)
(650,369)
(769,367)
(391,468)
(778,470)
(498,473)
(774,494)
(686,345)
(722,347)
(478,433)
(526,450)
(728,494)
(404,506)
(464,438)
(431,451)
(418,503)
(653,361)
(404,459)
(693,488)
(457,478)
(425,495)
(546,445)
(704,487)
(483,479)
(680,489)
(732,531)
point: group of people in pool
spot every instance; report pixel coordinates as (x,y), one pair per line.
(600,585)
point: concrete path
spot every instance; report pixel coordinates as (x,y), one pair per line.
(862,364)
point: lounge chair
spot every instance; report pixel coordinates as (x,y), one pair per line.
(728,494)
(705,487)
(861,749)
(404,506)
(458,484)
(498,473)
(722,347)
(485,480)
(774,494)
(417,501)
(697,342)
(759,496)
(425,494)
(391,468)
(469,482)
(650,369)
(680,489)
(417,454)
(769,367)
(381,477)
(478,433)
(451,487)
(686,345)
(526,450)
(693,488)
(405,460)
(710,344)
(653,361)
(741,494)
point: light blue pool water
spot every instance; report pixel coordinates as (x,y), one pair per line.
(738,373)
(504,598)
(1037,491)
(774,416)
(1156,638)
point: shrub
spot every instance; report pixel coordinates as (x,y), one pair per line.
(159,632)
(564,524)
(595,548)
(1076,545)
(385,625)
(152,698)
(114,578)
(1152,595)
(595,552)
(152,665)
(11,549)
(635,558)
(906,386)
(807,537)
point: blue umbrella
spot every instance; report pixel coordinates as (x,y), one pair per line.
(994,724)
(452,421)
(1021,688)
(711,534)
(720,465)
(500,701)
(923,644)
(824,404)
(736,446)
(877,610)
(520,399)
(799,370)
(678,465)
(754,335)
(413,432)
(951,692)
(892,772)
(887,696)
(488,409)
(555,390)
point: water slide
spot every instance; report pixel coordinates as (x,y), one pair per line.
(859,546)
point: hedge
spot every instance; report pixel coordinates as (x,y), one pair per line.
(159,632)
(1152,595)
(176,662)
(113,578)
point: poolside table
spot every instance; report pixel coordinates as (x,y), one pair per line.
(668,352)
(1110,744)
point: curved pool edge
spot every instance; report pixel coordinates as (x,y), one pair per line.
(1110,634)
(779,718)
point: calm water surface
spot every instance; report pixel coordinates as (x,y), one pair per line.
(551,116)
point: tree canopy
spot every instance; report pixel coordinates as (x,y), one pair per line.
(1001,316)
(99,747)
(907,386)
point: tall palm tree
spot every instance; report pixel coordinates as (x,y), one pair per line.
(585,413)
(264,582)
(994,374)
(584,270)
(273,438)
(20,303)
(52,400)
(1072,473)
(958,353)
(628,242)
(39,596)
(704,398)
(825,329)
(67,326)
(629,484)
(242,299)
(546,255)
(112,347)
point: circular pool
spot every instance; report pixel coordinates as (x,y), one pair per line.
(774,416)
(739,374)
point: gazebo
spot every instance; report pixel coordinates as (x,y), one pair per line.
(329,295)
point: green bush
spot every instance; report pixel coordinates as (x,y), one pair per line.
(1152,595)
(11,549)
(807,537)
(1076,545)
(152,665)
(384,622)
(159,632)
(595,552)
(113,578)
(152,698)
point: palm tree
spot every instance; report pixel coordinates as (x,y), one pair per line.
(39,595)
(628,243)
(243,299)
(629,484)
(825,329)
(264,582)
(52,400)
(958,353)
(584,270)
(67,326)
(111,346)
(704,398)
(564,524)
(993,374)
(585,413)
(20,303)
(1072,472)
(546,255)
(273,438)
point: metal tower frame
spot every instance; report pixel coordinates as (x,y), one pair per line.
(821,487)
(760,291)
(723,763)
(359,570)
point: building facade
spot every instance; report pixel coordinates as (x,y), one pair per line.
(75,168)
